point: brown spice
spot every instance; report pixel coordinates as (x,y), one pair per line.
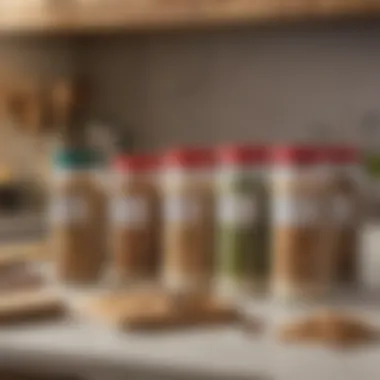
(188,243)
(299,265)
(347,265)
(135,224)
(80,244)
(344,213)
(329,327)
(155,310)
(188,221)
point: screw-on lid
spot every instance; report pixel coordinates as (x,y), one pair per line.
(76,158)
(136,163)
(191,158)
(243,154)
(295,154)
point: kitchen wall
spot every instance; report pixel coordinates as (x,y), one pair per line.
(257,83)
(261,83)
(39,56)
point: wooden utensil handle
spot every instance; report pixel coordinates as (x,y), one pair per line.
(68,102)
(65,97)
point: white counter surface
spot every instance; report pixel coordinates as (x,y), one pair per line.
(222,352)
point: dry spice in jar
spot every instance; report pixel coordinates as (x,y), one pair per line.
(188,219)
(299,266)
(78,216)
(242,219)
(345,212)
(134,218)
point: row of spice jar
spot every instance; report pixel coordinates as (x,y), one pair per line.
(237,218)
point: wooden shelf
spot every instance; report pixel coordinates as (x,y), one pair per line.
(134,15)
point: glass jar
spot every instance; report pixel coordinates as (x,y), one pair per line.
(298,181)
(134,218)
(242,221)
(346,211)
(369,138)
(78,216)
(188,219)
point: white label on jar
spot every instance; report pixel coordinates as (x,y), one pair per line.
(342,209)
(129,211)
(181,209)
(240,210)
(297,211)
(67,210)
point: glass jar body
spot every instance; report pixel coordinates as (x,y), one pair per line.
(242,229)
(134,217)
(78,215)
(188,229)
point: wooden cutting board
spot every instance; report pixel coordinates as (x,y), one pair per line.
(28,306)
(155,310)
(25,252)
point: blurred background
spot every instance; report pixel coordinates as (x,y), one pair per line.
(163,73)
(145,75)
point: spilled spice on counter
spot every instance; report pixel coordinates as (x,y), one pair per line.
(147,310)
(329,327)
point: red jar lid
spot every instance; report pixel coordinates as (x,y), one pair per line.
(191,158)
(296,154)
(136,163)
(342,154)
(243,154)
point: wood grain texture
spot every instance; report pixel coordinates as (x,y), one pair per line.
(133,15)
(15,253)
(30,306)
(156,310)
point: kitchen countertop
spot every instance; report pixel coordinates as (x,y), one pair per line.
(222,352)
(79,347)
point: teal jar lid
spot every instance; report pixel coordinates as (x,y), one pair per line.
(77,158)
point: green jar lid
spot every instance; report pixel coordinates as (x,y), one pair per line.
(77,158)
